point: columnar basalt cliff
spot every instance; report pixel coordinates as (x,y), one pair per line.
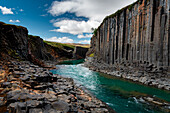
(16,43)
(136,36)
(36,47)
(80,52)
(13,40)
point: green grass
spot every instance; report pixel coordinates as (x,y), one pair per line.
(31,36)
(59,45)
(12,25)
(95,32)
(13,54)
(54,44)
(92,55)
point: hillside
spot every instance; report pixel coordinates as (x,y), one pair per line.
(16,43)
(76,50)
(79,45)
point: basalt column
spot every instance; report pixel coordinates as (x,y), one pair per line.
(138,35)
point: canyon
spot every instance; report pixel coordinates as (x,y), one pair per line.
(26,83)
(133,43)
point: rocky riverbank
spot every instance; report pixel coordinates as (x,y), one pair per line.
(157,80)
(150,78)
(28,88)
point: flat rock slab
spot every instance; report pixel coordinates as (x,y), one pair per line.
(61,106)
(37,90)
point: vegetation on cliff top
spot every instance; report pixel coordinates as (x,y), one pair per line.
(69,45)
(95,32)
(59,45)
(12,25)
(91,55)
(31,36)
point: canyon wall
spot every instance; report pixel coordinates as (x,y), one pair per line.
(137,34)
(13,40)
(16,43)
(79,52)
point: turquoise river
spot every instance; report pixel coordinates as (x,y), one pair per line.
(121,95)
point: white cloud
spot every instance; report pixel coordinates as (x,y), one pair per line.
(92,9)
(44,15)
(85,36)
(84,42)
(61,40)
(6,10)
(75,27)
(14,21)
(21,10)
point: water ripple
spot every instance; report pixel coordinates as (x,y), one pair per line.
(119,94)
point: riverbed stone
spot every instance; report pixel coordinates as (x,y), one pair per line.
(36,110)
(61,106)
(52,94)
(13,93)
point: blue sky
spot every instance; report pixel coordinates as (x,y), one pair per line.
(66,21)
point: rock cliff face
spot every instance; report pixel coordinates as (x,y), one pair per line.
(13,40)
(16,43)
(58,53)
(36,47)
(138,35)
(80,52)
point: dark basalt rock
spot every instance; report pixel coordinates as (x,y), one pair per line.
(61,106)
(31,93)
(34,103)
(135,38)
(16,43)
(37,48)
(36,110)
(6,84)
(13,40)
(80,52)
(12,93)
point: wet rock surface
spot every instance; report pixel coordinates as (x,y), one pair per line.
(28,88)
(135,74)
(138,76)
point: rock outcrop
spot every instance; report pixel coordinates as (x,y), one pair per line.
(28,88)
(13,40)
(138,37)
(16,43)
(59,53)
(80,52)
(36,47)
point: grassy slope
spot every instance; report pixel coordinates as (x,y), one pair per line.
(79,45)
(62,51)
(63,45)
(59,45)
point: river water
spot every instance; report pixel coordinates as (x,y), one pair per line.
(121,95)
